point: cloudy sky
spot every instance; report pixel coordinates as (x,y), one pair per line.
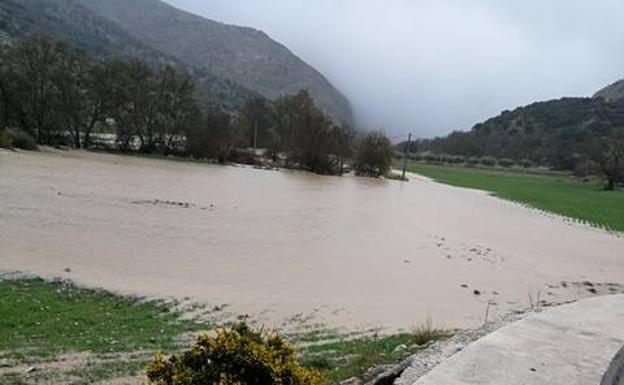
(433,66)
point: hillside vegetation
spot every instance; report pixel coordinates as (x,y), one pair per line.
(54,95)
(232,64)
(585,135)
(612,92)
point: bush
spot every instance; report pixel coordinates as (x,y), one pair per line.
(374,155)
(234,356)
(473,161)
(6,140)
(24,141)
(506,163)
(426,332)
(526,163)
(431,158)
(17,139)
(458,159)
(587,168)
(488,161)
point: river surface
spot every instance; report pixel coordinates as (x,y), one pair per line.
(289,247)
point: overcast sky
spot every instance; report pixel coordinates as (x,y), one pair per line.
(433,66)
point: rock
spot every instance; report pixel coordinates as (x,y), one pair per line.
(400,348)
(388,376)
(352,381)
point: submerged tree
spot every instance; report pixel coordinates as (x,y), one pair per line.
(374,155)
(307,136)
(214,138)
(258,121)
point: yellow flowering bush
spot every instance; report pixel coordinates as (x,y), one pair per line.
(234,356)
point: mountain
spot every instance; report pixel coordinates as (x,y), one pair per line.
(233,63)
(72,22)
(613,92)
(553,133)
(244,55)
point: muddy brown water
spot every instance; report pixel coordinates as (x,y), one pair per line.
(290,246)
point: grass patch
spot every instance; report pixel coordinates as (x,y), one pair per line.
(42,319)
(344,359)
(97,372)
(560,194)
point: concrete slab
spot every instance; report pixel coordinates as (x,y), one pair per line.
(572,344)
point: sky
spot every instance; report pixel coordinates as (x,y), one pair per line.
(434,66)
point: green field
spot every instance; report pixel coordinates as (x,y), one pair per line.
(557,193)
(42,322)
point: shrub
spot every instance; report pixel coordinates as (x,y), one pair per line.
(417,157)
(473,161)
(446,158)
(506,163)
(17,139)
(431,158)
(526,163)
(587,168)
(488,161)
(458,159)
(6,139)
(426,332)
(374,155)
(24,141)
(234,356)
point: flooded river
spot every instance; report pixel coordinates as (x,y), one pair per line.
(287,246)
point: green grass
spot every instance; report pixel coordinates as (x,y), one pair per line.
(554,192)
(343,359)
(42,320)
(91,373)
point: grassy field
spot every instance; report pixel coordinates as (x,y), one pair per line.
(557,193)
(43,323)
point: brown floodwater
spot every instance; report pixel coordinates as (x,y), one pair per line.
(347,252)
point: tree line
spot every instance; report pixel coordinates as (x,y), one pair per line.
(583,135)
(60,96)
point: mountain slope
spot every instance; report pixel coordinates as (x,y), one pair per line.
(72,22)
(613,92)
(554,133)
(243,55)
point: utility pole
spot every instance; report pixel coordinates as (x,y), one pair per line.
(406,154)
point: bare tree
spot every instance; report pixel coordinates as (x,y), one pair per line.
(608,152)
(176,106)
(35,67)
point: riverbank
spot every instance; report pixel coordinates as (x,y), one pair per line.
(57,332)
(290,249)
(581,200)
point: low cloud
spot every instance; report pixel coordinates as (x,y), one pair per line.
(432,66)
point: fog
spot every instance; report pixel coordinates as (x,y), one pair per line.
(433,66)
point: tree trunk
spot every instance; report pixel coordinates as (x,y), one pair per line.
(610,184)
